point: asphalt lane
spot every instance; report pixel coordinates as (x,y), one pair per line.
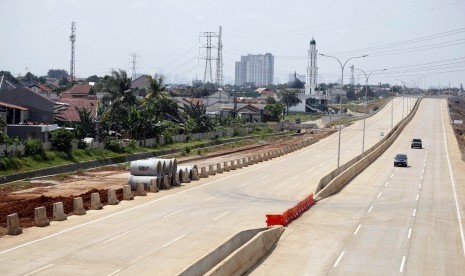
(163,233)
(388,220)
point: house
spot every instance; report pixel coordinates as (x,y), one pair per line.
(188,101)
(44,91)
(5,85)
(218,97)
(265,92)
(79,90)
(70,113)
(13,114)
(248,112)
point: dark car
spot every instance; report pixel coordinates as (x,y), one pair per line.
(401,160)
(416,143)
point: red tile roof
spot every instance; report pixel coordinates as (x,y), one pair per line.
(43,87)
(80,89)
(71,113)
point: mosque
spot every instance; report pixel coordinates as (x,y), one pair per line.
(312,100)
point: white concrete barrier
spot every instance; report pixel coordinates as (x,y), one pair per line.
(78,206)
(112,200)
(127,193)
(40,217)
(95,203)
(59,212)
(12,225)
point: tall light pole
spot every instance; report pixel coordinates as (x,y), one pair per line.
(343,65)
(367,76)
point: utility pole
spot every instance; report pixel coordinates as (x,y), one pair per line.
(72,38)
(352,79)
(133,64)
(207,75)
(219,60)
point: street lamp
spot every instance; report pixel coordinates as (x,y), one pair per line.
(340,102)
(367,76)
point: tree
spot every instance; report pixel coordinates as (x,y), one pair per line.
(30,78)
(93,78)
(289,97)
(197,120)
(156,87)
(63,81)
(273,109)
(86,126)
(61,140)
(57,74)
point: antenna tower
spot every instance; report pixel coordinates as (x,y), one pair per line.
(219,60)
(134,67)
(72,38)
(352,79)
(207,75)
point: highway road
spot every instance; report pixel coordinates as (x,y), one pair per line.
(165,232)
(388,220)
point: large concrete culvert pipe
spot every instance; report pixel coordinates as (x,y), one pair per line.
(146,167)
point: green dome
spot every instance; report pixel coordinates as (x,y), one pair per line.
(312,42)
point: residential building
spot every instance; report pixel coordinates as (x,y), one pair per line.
(257,69)
(79,90)
(44,91)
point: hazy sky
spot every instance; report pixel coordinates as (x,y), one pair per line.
(421,42)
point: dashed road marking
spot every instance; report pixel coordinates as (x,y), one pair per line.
(418,196)
(173,213)
(114,272)
(385,185)
(37,270)
(222,215)
(120,235)
(175,240)
(371,208)
(339,259)
(414,212)
(380,193)
(409,233)
(356,230)
(402,264)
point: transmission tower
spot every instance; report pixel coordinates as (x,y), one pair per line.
(219,60)
(134,65)
(207,75)
(352,79)
(72,38)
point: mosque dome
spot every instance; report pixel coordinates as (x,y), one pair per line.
(312,42)
(295,83)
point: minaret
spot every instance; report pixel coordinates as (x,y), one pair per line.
(312,69)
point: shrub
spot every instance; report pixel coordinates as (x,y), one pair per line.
(61,140)
(34,147)
(114,145)
(81,144)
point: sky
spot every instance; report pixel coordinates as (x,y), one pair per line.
(420,42)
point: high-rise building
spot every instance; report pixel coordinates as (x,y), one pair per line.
(258,69)
(312,69)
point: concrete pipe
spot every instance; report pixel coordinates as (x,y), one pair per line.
(134,179)
(146,167)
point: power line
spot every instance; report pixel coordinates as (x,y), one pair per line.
(72,38)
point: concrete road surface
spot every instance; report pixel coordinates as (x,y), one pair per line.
(165,232)
(388,220)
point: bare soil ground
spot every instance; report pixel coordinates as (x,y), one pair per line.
(23,196)
(457,112)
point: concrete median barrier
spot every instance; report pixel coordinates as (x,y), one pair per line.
(226,166)
(127,193)
(244,162)
(203,172)
(211,170)
(233,165)
(59,212)
(95,203)
(111,195)
(238,254)
(12,225)
(219,169)
(40,217)
(195,174)
(238,164)
(78,207)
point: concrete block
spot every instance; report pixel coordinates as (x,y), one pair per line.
(175,181)
(211,170)
(203,172)
(40,217)
(95,203)
(78,206)
(166,182)
(59,212)
(186,176)
(140,189)
(233,165)
(250,160)
(112,200)
(12,225)
(219,169)
(127,193)
(244,162)
(260,157)
(153,188)
(265,156)
(226,166)
(194,174)
(238,164)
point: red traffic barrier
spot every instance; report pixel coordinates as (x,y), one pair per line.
(290,214)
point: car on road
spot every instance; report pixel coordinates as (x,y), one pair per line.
(416,143)
(401,159)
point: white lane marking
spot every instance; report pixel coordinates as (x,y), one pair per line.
(371,208)
(421,178)
(423,171)
(402,264)
(173,213)
(109,240)
(222,215)
(409,233)
(419,186)
(453,184)
(114,272)
(175,240)
(242,185)
(356,230)
(392,175)
(37,270)
(380,193)
(339,259)
(212,197)
(414,212)
(277,186)
(418,196)
(385,185)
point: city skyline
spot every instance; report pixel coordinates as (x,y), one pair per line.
(419,42)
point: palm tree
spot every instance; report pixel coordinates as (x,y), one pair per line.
(156,87)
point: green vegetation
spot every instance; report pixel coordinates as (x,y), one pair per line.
(303,117)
